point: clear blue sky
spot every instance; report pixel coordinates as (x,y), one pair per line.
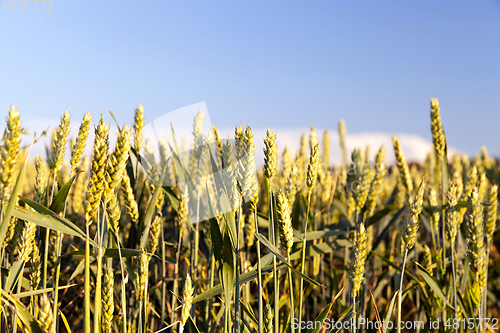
(282,63)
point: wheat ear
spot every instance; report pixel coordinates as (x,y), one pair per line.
(80,143)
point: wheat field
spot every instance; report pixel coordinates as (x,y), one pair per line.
(145,237)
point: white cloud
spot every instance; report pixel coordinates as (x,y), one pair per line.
(414,146)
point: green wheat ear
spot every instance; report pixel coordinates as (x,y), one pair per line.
(245,154)
(59,143)
(138,128)
(284,220)
(97,170)
(117,161)
(438,137)
(9,152)
(144,259)
(187,299)
(268,327)
(80,143)
(402,166)
(358,259)
(108,299)
(411,226)
(270,155)
(476,250)
(45,316)
(312,168)
(452,213)
(491,214)
(129,199)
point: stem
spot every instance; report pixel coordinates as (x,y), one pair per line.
(485,293)
(56,283)
(237,271)
(140,317)
(97,296)
(101,227)
(208,314)
(86,299)
(194,263)
(272,237)
(443,226)
(123,290)
(302,268)
(355,315)
(259,269)
(46,257)
(290,287)
(163,276)
(47,240)
(176,283)
(401,290)
(17,292)
(454,280)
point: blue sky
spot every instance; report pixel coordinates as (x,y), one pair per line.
(278,63)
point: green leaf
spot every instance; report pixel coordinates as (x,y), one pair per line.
(325,233)
(217,241)
(444,167)
(247,308)
(276,252)
(15,272)
(25,283)
(173,138)
(228,270)
(65,321)
(13,199)
(384,232)
(47,219)
(320,318)
(432,283)
(345,317)
(244,278)
(231,227)
(80,267)
(41,291)
(375,218)
(150,212)
(174,201)
(388,315)
(113,253)
(114,118)
(322,248)
(192,325)
(58,204)
(30,323)
(396,267)
(340,206)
